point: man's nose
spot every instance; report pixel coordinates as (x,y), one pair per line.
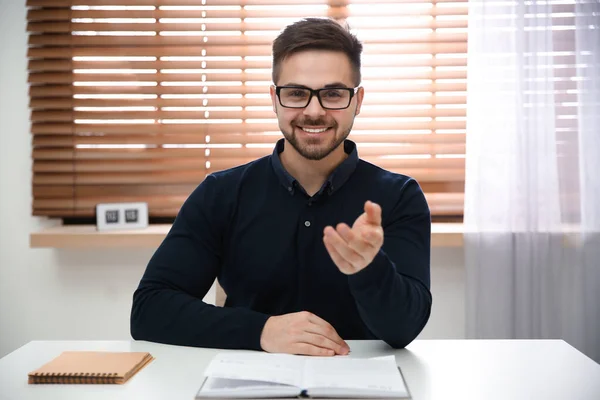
(314,108)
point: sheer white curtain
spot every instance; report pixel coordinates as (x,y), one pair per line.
(532,195)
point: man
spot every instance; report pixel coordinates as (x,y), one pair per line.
(312,245)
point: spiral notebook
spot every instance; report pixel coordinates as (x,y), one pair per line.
(91,367)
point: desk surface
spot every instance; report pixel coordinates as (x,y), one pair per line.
(433,369)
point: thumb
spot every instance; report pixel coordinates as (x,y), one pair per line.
(373,211)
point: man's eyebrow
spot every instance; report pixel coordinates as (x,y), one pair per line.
(335,84)
(329,85)
(296,85)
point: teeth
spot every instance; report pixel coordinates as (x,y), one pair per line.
(314,130)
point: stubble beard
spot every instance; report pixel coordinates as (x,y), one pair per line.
(314,149)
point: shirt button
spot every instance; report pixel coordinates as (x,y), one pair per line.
(307,223)
(289,188)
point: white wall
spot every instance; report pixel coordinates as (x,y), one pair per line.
(86,294)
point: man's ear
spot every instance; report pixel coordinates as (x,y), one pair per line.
(360,94)
(273,98)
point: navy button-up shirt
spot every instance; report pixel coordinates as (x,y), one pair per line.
(255,229)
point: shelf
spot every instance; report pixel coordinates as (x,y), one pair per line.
(86,236)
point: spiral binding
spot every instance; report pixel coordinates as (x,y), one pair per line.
(78,378)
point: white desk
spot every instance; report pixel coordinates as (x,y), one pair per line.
(433,369)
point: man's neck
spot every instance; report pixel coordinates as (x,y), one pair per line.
(311,174)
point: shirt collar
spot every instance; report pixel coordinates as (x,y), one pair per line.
(337,178)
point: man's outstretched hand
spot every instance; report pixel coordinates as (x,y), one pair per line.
(352,249)
(301,333)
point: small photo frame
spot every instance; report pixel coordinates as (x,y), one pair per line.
(131,215)
(111,216)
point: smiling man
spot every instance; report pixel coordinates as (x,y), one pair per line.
(312,245)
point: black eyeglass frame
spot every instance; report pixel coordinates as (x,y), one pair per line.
(317,92)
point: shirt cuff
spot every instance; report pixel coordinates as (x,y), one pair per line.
(373,274)
(253,331)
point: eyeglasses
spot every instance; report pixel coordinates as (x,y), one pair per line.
(334,98)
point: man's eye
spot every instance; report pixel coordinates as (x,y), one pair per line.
(332,94)
(297,93)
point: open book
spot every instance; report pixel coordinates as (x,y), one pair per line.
(263,375)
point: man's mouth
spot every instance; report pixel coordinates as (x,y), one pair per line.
(313,130)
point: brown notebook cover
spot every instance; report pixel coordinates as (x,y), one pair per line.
(95,367)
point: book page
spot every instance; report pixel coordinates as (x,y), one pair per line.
(262,367)
(238,388)
(358,374)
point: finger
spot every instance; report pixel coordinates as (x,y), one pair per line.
(324,328)
(311,350)
(318,340)
(325,337)
(337,259)
(373,211)
(357,240)
(339,244)
(372,235)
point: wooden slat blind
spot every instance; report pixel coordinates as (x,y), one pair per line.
(139,100)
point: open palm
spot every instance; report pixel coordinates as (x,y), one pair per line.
(353,249)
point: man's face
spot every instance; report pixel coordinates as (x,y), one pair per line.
(315,132)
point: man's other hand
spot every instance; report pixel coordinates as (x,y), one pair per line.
(301,333)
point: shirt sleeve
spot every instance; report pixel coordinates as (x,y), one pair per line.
(167,305)
(392,293)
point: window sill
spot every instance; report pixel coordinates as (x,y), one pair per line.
(86,236)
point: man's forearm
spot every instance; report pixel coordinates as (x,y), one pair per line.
(395,307)
(168,316)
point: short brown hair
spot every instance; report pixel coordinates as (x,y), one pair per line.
(316,34)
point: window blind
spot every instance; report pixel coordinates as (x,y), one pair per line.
(140,100)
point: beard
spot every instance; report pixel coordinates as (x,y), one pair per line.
(317,148)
